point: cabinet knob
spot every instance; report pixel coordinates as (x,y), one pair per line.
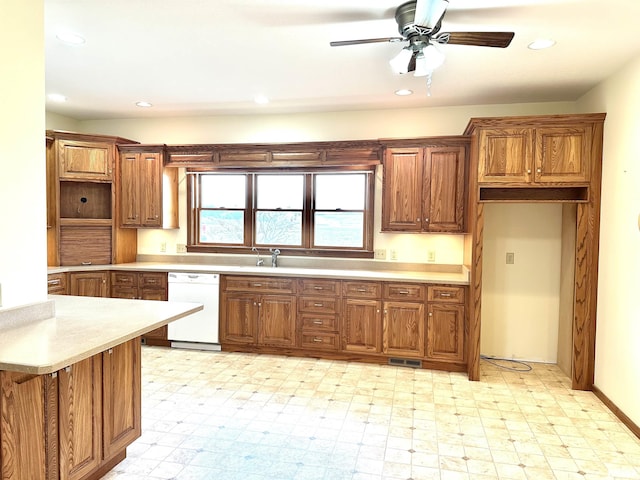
(426,220)
(528,170)
(430,314)
(539,170)
(417,219)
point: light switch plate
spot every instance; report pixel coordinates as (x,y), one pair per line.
(511,258)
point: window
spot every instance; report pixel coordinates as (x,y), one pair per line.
(299,212)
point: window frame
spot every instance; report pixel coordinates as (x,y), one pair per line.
(307,248)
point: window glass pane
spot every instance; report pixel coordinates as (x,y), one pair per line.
(340,191)
(339,229)
(280,191)
(279,228)
(223,191)
(222,226)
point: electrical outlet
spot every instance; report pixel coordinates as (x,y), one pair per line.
(163,247)
(380,254)
(181,248)
(394,254)
(431,256)
(511,258)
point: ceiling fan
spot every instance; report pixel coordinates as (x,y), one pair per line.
(419,23)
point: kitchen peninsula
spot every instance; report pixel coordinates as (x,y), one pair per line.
(70,383)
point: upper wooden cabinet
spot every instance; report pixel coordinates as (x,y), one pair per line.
(85,160)
(147,193)
(81,211)
(538,150)
(423,189)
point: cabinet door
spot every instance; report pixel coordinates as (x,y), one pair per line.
(361,326)
(122,394)
(85,160)
(277,320)
(89,284)
(402,190)
(80,414)
(238,318)
(445,332)
(57,284)
(28,426)
(563,154)
(403,329)
(444,189)
(505,155)
(150,172)
(129,188)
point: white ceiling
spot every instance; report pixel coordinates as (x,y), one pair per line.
(211,57)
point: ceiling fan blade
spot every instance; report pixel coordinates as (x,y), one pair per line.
(342,43)
(429,12)
(479,39)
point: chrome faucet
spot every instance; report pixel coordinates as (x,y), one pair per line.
(274,256)
(260,261)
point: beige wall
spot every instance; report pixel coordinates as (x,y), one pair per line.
(23,242)
(520,302)
(617,371)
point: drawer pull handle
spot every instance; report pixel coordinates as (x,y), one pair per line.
(446,295)
(86,263)
(318,288)
(317,322)
(362,290)
(318,304)
(317,340)
(403,292)
(53,282)
(257,284)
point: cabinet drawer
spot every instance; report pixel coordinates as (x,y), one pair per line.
(152,279)
(404,291)
(445,294)
(57,283)
(318,305)
(318,322)
(361,289)
(324,341)
(121,291)
(259,284)
(319,287)
(125,279)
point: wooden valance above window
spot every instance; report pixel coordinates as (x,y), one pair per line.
(312,154)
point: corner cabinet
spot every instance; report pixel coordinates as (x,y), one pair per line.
(82,224)
(147,192)
(424,188)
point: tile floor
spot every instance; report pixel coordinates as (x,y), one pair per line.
(212,415)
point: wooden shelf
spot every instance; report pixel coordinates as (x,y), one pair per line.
(86,222)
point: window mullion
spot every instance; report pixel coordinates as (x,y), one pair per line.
(307,212)
(249,211)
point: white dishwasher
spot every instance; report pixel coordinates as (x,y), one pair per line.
(198,330)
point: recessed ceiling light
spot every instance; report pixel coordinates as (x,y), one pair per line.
(144,104)
(70,38)
(261,99)
(542,43)
(403,92)
(56,97)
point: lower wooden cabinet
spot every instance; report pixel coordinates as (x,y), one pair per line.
(57,284)
(143,286)
(89,284)
(446,323)
(73,424)
(369,321)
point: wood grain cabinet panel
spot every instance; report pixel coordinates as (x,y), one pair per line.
(362,326)
(445,332)
(28,426)
(277,320)
(147,192)
(86,160)
(558,154)
(121,383)
(80,414)
(89,284)
(424,189)
(403,329)
(238,314)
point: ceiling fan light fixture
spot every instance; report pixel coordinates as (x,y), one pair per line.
(400,63)
(428,60)
(541,44)
(403,92)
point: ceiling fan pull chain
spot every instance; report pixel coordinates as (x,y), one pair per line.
(429,84)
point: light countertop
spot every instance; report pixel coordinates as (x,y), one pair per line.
(456,275)
(45,337)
